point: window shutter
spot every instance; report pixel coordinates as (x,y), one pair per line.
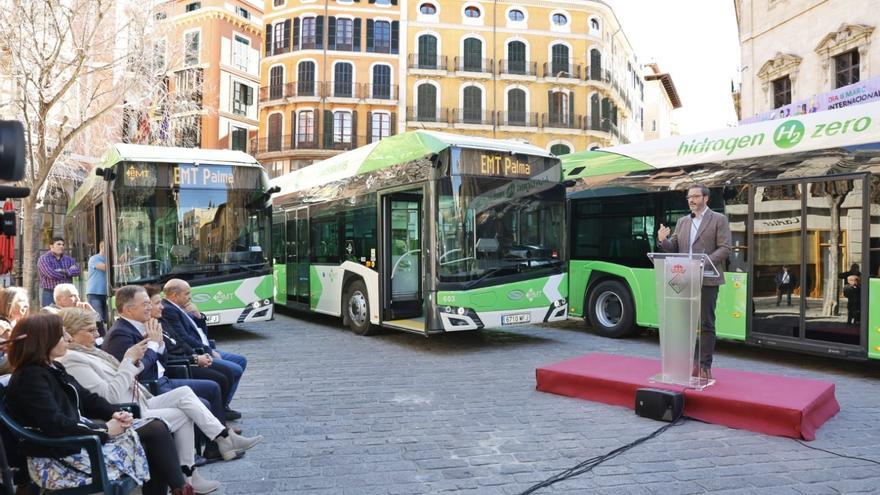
(395,35)
(268,39)
(354,129)
(356,35)
(571,109)
(393,2)
(328,129)
(293,130)
(317,137)
(331,33)
(248,94)
(319,32)
(552,111)
(369,127)
(369,35)
(287,33)
(295,45)
(393,123)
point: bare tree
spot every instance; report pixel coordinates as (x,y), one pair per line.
(74,62)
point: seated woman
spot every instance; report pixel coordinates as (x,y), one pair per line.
(115,381)
(13,307)
(42,396)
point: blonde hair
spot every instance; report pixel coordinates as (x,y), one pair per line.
(7,295)
(77,319)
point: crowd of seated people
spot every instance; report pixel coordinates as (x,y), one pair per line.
(63,383)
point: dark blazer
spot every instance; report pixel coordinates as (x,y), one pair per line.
(176,322)
(51,401)
(713,238)
(792,280)
(123,335)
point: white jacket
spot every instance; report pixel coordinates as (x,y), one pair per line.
(98,376)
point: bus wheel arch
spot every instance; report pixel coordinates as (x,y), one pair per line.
(356,306)
(610,308)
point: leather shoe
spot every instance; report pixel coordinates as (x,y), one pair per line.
(706,373)
(232,414)
(213,454)
(202,485)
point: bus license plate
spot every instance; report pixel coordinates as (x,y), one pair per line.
(516,319)
(212,319)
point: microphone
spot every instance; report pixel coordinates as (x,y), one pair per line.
(693,215)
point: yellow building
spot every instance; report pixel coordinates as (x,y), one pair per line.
(338,74)
(329,79)
(558,74)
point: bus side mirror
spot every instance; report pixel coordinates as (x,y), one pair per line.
(107,173)
(569,183)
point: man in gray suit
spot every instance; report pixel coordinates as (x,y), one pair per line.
(702,232)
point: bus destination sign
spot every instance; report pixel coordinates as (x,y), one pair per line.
(494,164)
(186,176)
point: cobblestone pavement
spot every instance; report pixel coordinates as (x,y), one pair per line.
(401,414)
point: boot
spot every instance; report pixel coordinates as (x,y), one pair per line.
(201,485)
(240,443)
(186,490)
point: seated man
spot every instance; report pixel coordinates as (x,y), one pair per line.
(134,325)
(66,296)
(177,296)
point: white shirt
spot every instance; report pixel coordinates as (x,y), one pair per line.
(785,279)
(202,336)
(155,346)
(695,227)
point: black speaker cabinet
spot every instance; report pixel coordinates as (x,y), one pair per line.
(662,405)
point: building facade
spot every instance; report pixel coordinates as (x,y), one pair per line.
(801,56)
(338,74)
(661,99)
(211,52)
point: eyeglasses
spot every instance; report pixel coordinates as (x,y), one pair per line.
(698,196)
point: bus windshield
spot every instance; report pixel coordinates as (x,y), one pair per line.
(183,221)
(494,227)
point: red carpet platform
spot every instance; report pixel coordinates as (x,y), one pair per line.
(771,404)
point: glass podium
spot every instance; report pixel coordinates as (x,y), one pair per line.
(679,281)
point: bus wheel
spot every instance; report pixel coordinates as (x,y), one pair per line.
(611,309)
(357,307)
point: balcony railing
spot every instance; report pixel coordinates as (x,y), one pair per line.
(427,62)
(473,64)
(329,89)
(518,67)
(427,114)
(596,73)
(377,91)
(291,142)
(520,119)
(472,116)
(562,70)
(290,90)
(562,121)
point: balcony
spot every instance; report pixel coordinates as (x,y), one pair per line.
(427,114)
(288,142)
(377,91)
(562,70)
(472,116)
(596,73)
(562,121)
(518,119)
(427,62)
(475,65)
(339,89)
(290,90)
(518,68)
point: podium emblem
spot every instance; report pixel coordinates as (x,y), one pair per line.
(678,282)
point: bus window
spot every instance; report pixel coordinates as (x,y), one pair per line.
(874,247)
(618,229)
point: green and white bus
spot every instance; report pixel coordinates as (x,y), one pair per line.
(801,192)
(199,215)
(424,232)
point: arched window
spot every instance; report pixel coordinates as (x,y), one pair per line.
(560,20)
(276,82)
(560,65)
(559,111)
(472,12)
(274,139)
(516,107)
(426,109)
(427,52)
(560,149)
(595,65)
(343,74)
(305,79)
(594,25)
(381,82)
(516,15)
(473,55)
(428,9)
(595,112)
(472,108)
(516,57)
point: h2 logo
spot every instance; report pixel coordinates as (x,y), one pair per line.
(789,134)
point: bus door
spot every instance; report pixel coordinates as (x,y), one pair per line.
(403,304)
(806,288)
(298,256)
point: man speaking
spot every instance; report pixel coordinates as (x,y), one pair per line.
(702,232)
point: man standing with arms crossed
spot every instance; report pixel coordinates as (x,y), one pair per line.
(55,268)
(702,232)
